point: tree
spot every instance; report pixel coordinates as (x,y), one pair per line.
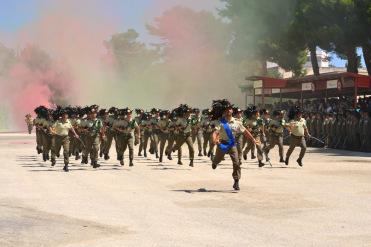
(131,55)
(261,31)
(363,13)
(311,28)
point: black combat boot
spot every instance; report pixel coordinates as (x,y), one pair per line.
(65,168)
(131,162)
(77,156)
(53,162)
(282,160)
(160,160)
(139,154)
(101,154)
(191,163)
(236,185)
(261,164)
(145,154)
(299,162)
(287,161)
(106,157)
(245,156)
(180,162)
(157,155)
(253,156)
(205,153)
(44,157)
(214,166)
(169,157)
(95,164)
(200,154)
(122,162)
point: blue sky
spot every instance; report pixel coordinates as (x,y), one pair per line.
(15,14)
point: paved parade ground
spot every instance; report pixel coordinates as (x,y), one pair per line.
(325,203)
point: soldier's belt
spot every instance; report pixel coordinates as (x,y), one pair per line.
(296,137)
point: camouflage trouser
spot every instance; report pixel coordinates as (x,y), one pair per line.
(170,144)
(163,138)
(197,136)
(107,143)
(39,139)
(239,146)
(154,141)
(208,139)
(246,142)
(275,139)
(46,143)
(146,136)
(75,145)
(251,144)
(91,147)
(181,139)
(141,142)
(125,141)
(233,153)
(297,141)
(57,143)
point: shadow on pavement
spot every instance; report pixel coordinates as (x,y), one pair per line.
(203,190)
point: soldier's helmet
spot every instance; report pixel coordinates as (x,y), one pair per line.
(164,113)
(236,110)
(139,111)
(206,112)
(102,112)
(219,107)
(155,110)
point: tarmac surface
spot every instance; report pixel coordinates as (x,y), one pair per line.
(325,203)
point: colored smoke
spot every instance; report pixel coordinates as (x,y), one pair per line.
(64,57)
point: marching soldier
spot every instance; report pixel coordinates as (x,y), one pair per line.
(163,126)
(92,127)
(184,125)
(103,116)
(139,118)
(237,114)
(224,136)
(276,127)
(41,114)
(126,138)
(197,130)
(299,131)
(110,132)
(46,135)
(60,138)
(255,125)
(147,131)
(75,145)
(265,116)
(154,131)
(29,122)
(173,135)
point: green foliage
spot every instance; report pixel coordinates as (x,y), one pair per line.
(282,31)
(130,54)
